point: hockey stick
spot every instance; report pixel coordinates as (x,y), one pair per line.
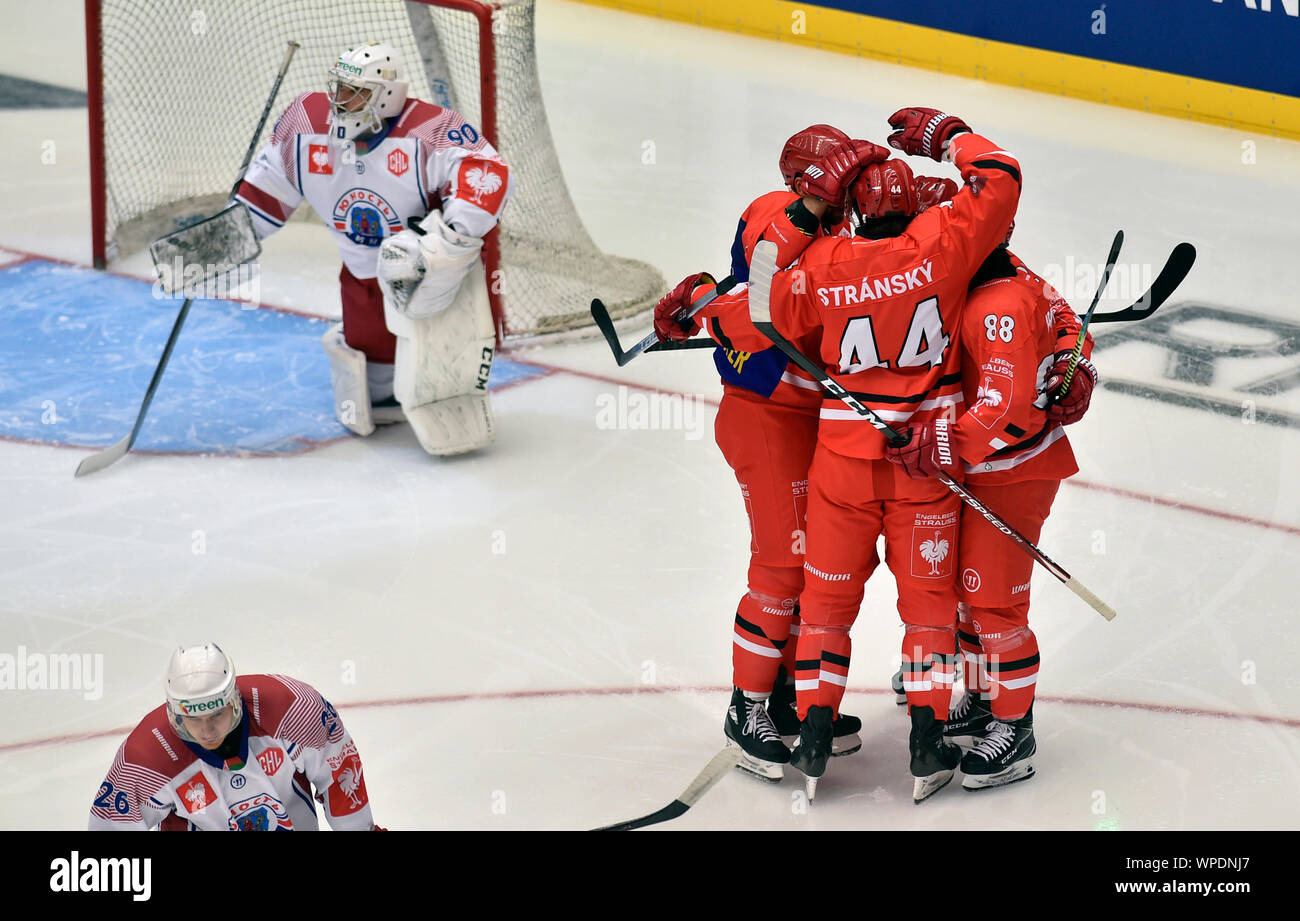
(114,453)
(714,771)
(651,341)
(761,269)
(1171,276)
(1077,353)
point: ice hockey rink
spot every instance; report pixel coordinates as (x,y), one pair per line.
(537,636)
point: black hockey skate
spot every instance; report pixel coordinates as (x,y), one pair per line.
(781,706)
(933,759)
(813,748)
(1003,754)
(968,720)
(750,728)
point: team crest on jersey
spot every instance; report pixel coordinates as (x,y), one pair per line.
(348,791)
(260,813)
(485,181)
(318,159)
(934,545)
(994,392)
(196,793)
(398,162)
(270,760)
(363,217)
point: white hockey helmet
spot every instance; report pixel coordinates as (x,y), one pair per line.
(366,86)
(201,681)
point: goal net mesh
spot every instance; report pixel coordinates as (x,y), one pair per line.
(184,84)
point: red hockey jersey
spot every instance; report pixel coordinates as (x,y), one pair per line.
(887,313)
(1014,326)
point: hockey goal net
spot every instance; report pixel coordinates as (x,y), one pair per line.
(175,87)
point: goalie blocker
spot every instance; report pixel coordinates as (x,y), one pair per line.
(436,304)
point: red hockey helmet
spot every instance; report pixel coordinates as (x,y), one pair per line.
(808,145)
(885,190)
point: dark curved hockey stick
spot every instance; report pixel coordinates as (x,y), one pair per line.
(651,342)
(714,771)
(1176,267)
(116,452)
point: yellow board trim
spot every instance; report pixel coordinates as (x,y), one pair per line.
(998,62)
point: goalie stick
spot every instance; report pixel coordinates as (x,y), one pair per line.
(762,268)
(116,452)
(715,770)
(651,342)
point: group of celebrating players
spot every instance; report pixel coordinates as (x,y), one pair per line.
(902,287)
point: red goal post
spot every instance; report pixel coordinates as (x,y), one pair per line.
(173,86)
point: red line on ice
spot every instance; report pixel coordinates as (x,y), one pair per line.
(121,731)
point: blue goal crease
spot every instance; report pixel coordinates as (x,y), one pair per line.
(80,346)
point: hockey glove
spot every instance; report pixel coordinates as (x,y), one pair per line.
(924,131)
(676,303)
(829,177)
(927,451)
(1069,408)
(931,191)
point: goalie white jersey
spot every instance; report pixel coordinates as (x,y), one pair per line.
(427,158)
(292,740)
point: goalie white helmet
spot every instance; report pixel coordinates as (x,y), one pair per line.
(366,86)
(200,683)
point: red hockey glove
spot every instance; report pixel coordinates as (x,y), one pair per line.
(928,450)
(924,131)
(931,191)
(830,176)
(1074,404)
(675,303)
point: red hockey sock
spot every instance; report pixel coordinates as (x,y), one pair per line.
(821,667)
(1012,664)
(759,640)
(929,666)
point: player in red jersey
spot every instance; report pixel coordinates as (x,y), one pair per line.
(766,428)
(1017,337)
(884,309)
(229,753)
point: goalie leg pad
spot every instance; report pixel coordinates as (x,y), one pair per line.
(442,367)
(348,373)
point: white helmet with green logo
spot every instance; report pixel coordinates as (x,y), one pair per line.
(201,681)
(366,86)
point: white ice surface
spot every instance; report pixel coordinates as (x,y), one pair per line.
(436,603)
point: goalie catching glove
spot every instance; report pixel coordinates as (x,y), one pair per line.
(421,269)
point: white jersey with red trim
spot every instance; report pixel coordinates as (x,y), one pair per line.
(292,740)
(426,158)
